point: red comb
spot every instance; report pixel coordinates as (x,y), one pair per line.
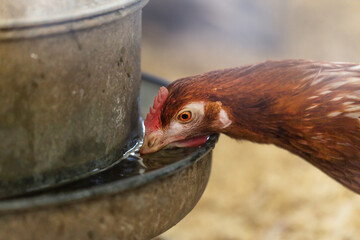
(152,121)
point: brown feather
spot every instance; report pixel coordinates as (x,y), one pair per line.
(310,108)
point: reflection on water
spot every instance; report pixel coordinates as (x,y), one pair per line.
(131,166)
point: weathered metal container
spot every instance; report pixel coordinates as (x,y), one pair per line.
(69,87)
(122,202)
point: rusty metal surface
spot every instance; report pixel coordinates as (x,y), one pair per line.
(69,98)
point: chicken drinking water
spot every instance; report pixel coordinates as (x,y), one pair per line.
(309,108)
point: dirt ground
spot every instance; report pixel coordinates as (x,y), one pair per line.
(256,191)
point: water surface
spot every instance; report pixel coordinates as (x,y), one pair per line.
(133,165)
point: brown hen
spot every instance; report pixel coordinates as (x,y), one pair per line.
(310,108)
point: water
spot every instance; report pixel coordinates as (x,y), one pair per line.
(132,165)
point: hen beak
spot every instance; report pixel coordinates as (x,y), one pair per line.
(153,142)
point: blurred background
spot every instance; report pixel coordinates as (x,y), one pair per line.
(256,191)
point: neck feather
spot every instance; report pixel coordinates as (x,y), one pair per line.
(298,105)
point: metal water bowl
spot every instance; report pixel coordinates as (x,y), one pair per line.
(122,202)
(69,96)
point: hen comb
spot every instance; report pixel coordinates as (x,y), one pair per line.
(152,121)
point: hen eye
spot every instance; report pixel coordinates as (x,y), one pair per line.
(185,116)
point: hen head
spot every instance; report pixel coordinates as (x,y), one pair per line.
(182,117)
